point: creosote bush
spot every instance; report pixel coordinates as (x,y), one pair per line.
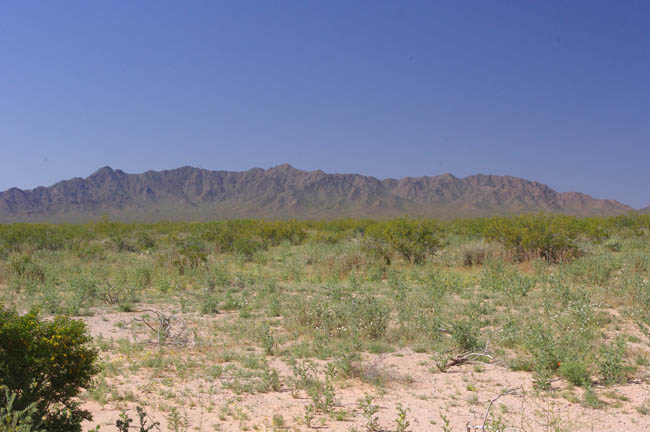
(45,364)
(413,240)
(552,238)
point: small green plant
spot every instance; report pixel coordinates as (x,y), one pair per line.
(124,422)
(301,378)
(591,399)
(542,378)
(308,416)
(267,339)
(445,423)
(322,395)
(270,379)
(369,412)
(644,408)
(466,335)
(12,420)
(401,422)
(611,362)
(177,422)
(278,421)
(575,372)
(210,304)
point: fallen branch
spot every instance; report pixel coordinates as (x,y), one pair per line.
(470,356)
(503,393)
(169,329)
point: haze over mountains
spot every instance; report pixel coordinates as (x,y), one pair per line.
(189,193)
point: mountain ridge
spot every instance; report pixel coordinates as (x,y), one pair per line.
(189,193)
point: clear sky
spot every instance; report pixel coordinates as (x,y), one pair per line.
(553,91)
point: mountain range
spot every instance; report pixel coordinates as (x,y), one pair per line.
(189,193)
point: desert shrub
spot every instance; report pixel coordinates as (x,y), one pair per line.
(497,277)
(275,232)
(370,317)
(210,304)
(247,247)
(377,249)
(88,251)
(638,290)
(218,277)
(470,252)
(543,344)
(26,236)
(611,363)
(594,270)
(246,237)
(475,253)
(613,246)
(23,267)
(141,277)
(267,339)
(144,240)
(575,372)
(466,335)
(121,244)
(417,321)
(438,284)
(344,315)
(46,364)
(412,239)
(119,292)
(530,236)
(191,253)
(328,237)
(345,261)
(83,292)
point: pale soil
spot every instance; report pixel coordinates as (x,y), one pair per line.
(462,394)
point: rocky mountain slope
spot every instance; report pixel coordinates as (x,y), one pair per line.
(189,193)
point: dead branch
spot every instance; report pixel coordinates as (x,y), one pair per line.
(503,393)
(466,357)
(169,329)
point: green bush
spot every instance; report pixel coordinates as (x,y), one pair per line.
(535,236)
(191,255)
(575,372)
(412,239)
(542,342)
(24,267)
(46,364)
(467,335)
(594,270)
(496,277)
(210,304)
(475,253)
(611,363)
(344,316)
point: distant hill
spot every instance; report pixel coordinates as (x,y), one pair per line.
(189,193)
(645,210)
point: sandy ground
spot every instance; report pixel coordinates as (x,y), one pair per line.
(462,394)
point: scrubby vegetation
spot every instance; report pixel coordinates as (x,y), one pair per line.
(43,367)
(252,307)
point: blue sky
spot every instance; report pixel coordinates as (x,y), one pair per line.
(554,91)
